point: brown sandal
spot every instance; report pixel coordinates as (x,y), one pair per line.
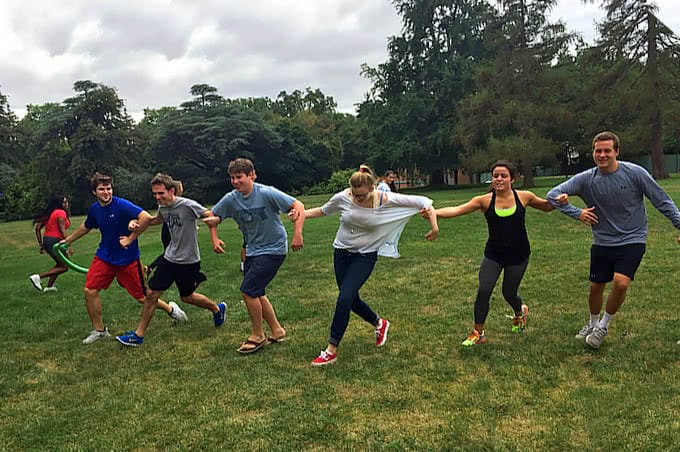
(255,346)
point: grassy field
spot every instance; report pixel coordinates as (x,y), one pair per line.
(188,388)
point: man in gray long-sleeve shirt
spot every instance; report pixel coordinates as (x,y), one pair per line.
(614,191)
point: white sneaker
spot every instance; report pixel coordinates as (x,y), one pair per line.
(177,313)
(596,338)
(584,332)
(96,335)
(50,289)
(35,280)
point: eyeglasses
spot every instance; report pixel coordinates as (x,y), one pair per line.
(360,196)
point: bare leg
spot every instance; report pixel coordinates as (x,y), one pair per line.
(201,301)
(150,305)
(52,274)
(269,316)
(595,297)
(255,312)
(617,293)
(93,304)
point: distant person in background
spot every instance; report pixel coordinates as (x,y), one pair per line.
(55,219)
(387,183)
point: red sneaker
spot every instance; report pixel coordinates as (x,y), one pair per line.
(381,332)
(325,358)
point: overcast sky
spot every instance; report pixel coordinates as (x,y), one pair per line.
(152,51)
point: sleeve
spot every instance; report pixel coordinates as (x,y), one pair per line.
(223,208)
(196,208)
(333,205)
(281,200)
(658,197)
(414,201)
(91,219)
(130,209)
(382,186)
(571,187)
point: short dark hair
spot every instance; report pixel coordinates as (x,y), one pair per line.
(606,136)
(99,179)
(241,165)
(165,180)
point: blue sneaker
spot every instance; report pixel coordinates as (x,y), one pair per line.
(130,339)
(218,317)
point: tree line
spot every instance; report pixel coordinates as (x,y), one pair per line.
(465,83)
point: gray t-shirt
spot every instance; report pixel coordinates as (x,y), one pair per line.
(618,199)
(181,219)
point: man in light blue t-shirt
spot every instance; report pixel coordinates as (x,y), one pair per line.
(256,208)
(615,192)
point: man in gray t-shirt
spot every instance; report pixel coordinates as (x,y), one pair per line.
(181,262)
(615,192)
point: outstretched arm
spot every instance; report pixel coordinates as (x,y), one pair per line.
(298,241)
(75,235)
(212,221)
(38,236)
(472,205)
(144,220)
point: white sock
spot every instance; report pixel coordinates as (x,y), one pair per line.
(606,318)
(594,319)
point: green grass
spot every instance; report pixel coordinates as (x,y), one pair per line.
(187,388)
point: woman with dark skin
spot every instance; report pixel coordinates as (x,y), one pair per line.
(55,220)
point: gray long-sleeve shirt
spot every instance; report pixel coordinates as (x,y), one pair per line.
(618,199)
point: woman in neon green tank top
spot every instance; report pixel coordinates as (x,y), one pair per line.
(507,248)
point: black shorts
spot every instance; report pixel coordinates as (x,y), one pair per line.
(607,260)
(186,276)
(48,243)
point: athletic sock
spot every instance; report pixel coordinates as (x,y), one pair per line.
(606,318)
(594,319)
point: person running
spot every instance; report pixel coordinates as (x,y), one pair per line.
(255,208)
(181,262)
(614,191)
(507,249)
(368,218)
(55,219)
(111,215)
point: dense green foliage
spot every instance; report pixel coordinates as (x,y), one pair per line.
(466,82)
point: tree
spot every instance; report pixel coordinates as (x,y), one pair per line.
(411,107)
(631,33)
(8,123)
(518,102)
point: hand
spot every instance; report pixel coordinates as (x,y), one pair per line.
(42,249)
(125,241)
(69,252)
(133,224)
(293,215)
(432,235)
(298,243)
(562,199)
(587,216)
(425,212)
(678,239)
(218,246)
(212,221)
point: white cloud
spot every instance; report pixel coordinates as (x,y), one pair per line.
(152,51)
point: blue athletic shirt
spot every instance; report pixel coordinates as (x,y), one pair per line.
(257,216)
(112,222)
(618,199)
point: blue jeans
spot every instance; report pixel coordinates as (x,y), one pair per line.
(351,272)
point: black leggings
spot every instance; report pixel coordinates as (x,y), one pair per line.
(489,271)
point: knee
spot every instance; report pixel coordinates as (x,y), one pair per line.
(621,282)
(187,299)
(90,293)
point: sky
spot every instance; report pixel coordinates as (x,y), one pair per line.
(152,51)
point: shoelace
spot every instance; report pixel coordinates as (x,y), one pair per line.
(325,354)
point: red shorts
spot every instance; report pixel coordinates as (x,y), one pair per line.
(130,277)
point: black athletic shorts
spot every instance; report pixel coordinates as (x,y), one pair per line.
(607,260)
(186,276)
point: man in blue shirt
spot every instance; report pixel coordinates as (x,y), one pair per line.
(256,209)
(111,215)
(614,191)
